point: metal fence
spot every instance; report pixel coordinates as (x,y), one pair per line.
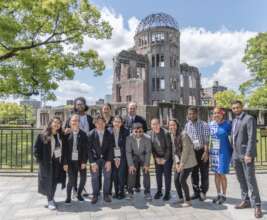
(16,152)
(16,148)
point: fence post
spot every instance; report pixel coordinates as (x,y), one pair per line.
(32,136)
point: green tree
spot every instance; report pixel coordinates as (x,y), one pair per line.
(12,112)
(224,99)
(41,43)
(256,60)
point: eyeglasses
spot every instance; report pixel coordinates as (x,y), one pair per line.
(138,132)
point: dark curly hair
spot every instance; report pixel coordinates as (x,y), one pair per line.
(82,99)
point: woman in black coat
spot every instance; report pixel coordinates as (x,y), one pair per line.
(50,153)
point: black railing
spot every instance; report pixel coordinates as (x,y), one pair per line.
(16,152)
(16,148)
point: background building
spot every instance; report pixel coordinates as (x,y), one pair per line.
(207,94)
(150,72)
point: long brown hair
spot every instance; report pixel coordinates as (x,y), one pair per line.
(178,139)
(47,132)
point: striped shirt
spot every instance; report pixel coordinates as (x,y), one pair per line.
(198,132)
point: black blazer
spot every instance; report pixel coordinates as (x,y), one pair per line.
(89,119)
(42,153)
(128,122)
(82,146)
(96,151)
(124,133)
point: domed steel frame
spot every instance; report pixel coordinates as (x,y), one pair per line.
(157,20)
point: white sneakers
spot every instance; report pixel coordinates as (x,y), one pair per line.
(51,205)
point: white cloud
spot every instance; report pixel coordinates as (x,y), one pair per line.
(71,89)
(122,37)
(204,48)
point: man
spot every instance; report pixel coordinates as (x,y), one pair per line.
(162,153)
(244,146)
(130,119)
(198,131)
(77,156)
(101,145)
(138,154)
(85,124)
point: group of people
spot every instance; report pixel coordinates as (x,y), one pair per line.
(118,149)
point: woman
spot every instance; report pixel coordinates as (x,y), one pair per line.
(107,114)
(220,152)
(49,151)
(184,159)
(119,165)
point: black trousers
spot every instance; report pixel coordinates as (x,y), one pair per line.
(56,168)
(118,177)
(202,168)
(132,178)
(180,181)
(74,168)
(165,170)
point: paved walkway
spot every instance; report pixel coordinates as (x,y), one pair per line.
(19,200)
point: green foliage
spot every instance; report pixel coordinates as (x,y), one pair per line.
(256,60)
(12,113)
(41,42)
(224,99)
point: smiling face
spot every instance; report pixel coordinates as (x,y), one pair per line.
(138,132)
(132,109)
(173,127)
(55,125)
(117,122)
(100,124)
(80,106)
(75,122)
(155,125)
(106,109)
(237,108)
(218,115)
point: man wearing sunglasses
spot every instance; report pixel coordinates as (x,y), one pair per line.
(138,153)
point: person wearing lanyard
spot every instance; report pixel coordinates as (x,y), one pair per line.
(101,146)
(107,114)
(198,131)
(85,123)
(138,154)
(77,156)
(220,152)
(244,139)
(119,164)
(130,119)
(50,153)
(161,150)
(184,159)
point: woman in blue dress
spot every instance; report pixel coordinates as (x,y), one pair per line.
(220,152)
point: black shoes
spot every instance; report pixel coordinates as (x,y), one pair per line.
(80,198)
(167,196)
(68,201)
(94,199)
(107,198)
(158,195)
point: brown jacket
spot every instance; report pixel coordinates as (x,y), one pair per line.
(186,154)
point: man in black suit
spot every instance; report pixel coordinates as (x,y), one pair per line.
(77,156)
(101,145)
(130,119)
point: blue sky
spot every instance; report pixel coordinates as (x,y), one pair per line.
(213,38)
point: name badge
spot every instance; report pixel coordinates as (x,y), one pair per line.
(215,144)
(117,152)
(74,156)
(57,152)
(176,158)
(196,143)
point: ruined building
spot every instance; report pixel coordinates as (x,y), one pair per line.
(150,72)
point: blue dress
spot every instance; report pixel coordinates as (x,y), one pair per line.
(220,147)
